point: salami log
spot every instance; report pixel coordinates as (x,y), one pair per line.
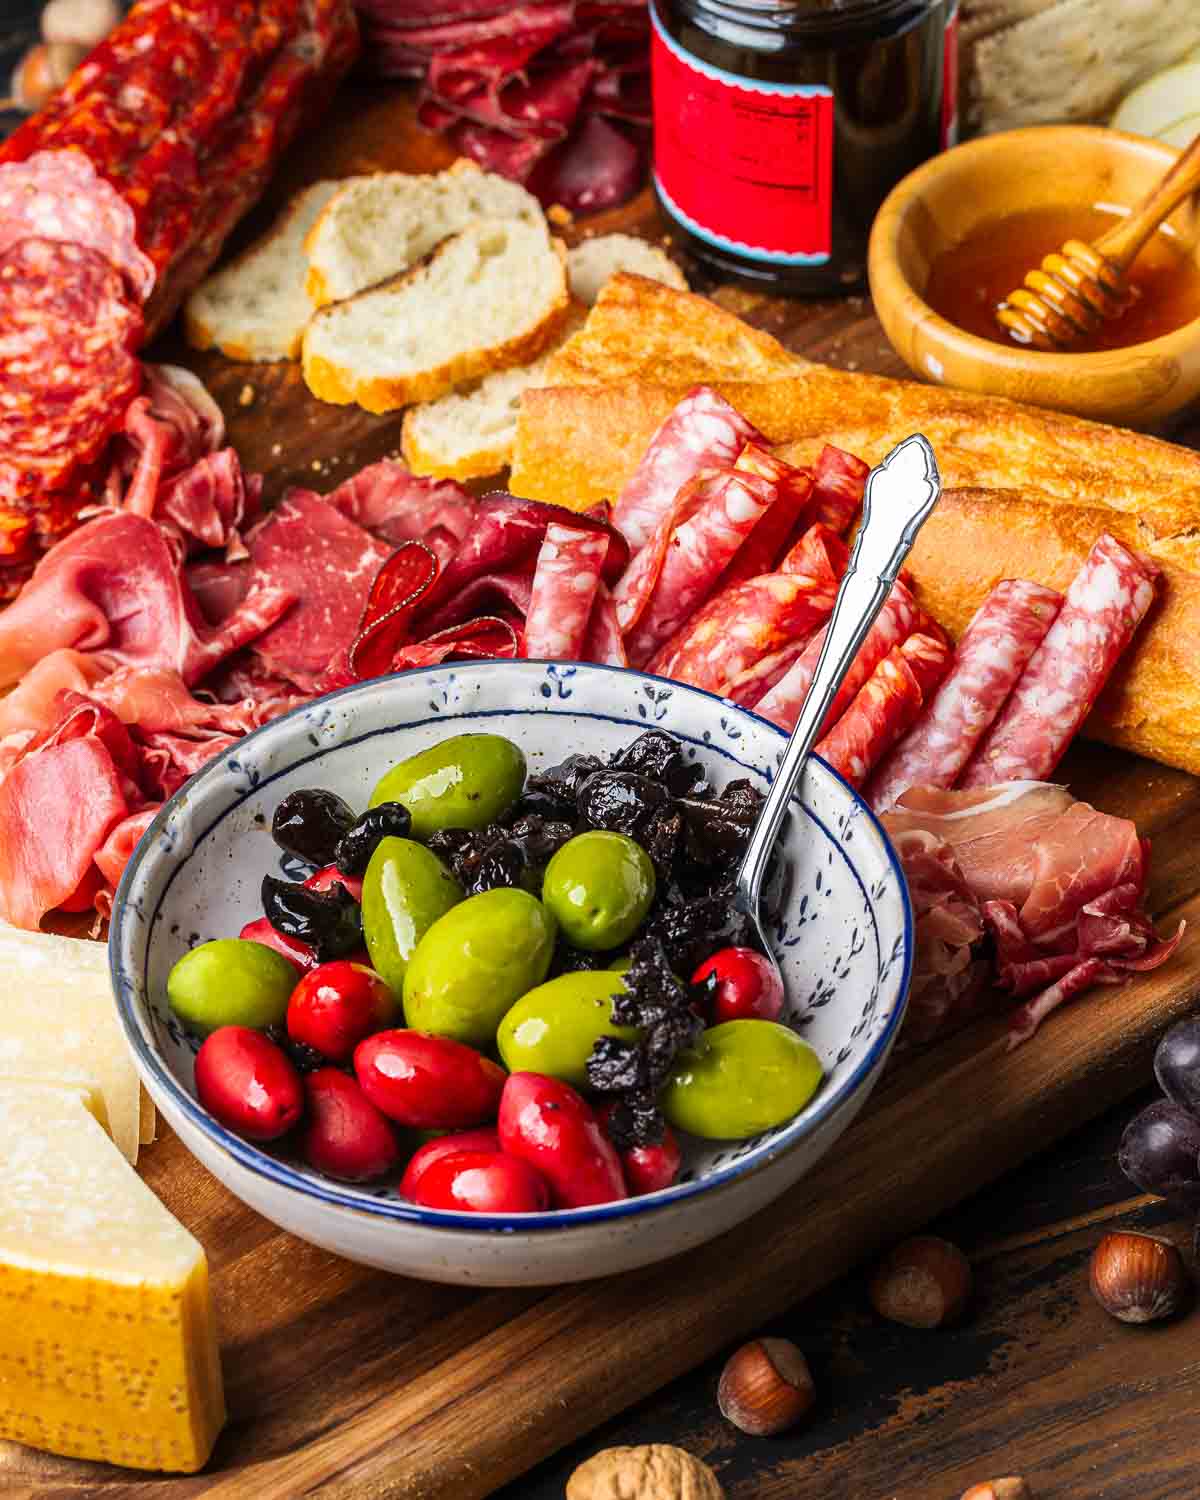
(885,706)
(993,652)
(895,622)
(703,432)
(766,544)
(1106,601)
(728,508)
(564,589)
(840,480)
(604,644)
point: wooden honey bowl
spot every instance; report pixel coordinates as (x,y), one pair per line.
(1018,172)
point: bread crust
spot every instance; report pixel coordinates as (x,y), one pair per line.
(478,464)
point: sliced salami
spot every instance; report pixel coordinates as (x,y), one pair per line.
(929,656)
(1105,603)
(564,589)
(756,682)
(839,483)
(885,706)
(639,580)
(703,432)
(604,644)
(59,195)
(819,553)
(728,508)
(895,622)
(764,547)
(993,652)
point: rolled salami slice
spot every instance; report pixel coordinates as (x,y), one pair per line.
(729,507)
(886,704)
(1105,603)
(1007,629)
(766,544)
(840,481)
(895,622)
(564,589)
(703,432)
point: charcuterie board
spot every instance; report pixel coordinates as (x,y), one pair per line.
(342,1380)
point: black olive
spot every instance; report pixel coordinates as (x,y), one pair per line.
(660,756)
(362,838)
(309,824)
(330,922)
(304,1059)
(620,801)
(554,791)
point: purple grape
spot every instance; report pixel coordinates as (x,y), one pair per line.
(1160,1153)
(1177,1065)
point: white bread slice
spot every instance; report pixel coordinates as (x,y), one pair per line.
(469,434)
(379,226)
(489,298)
(255,308)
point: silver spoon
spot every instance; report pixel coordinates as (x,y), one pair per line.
(900,494)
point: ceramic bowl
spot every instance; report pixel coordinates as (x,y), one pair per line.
(844,938)
(1052,166)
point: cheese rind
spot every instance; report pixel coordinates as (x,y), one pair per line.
(107,1340)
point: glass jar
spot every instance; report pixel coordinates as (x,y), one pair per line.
(779,128)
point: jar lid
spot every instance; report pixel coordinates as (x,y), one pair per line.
(833,22)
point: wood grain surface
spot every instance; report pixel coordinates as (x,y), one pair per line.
(345,1381)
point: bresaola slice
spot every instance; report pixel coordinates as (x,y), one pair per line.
(597,167)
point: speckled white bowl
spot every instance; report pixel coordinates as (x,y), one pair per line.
(844,940)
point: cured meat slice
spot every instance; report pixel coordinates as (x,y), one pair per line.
(819,553)
(839,483)
(59,195)
(703,432)
(564,590)
(894,624)
(764,547)
(993,652)
(67,367)
(756,682)
(489,639)
(725,510)
(485,65)
(604,644)
(33,705)
(598,166)
(550,16)
(210,502)
(929,658)
(388,501)
(1105,603)
(884,707)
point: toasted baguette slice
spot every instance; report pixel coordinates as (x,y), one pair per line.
(255,308)
(382,225)
(468,434)
(489,298)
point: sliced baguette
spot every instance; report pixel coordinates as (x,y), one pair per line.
(469,434)
(489,298)
(255,308)
(382,225)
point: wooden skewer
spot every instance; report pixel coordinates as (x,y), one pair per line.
(1076,288)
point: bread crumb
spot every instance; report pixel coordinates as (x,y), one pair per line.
(246,395)
(557,214)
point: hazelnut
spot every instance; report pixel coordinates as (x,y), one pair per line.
(655,1471)
(923,1283)
(1138,1278)
(999,1489)
(765,1387)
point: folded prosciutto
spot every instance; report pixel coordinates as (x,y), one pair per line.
(1060,887)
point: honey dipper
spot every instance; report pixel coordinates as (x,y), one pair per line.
(1076,288)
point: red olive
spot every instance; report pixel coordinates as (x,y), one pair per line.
(742,984)
(430,1082)
(330,875)
(648,1169)
(247,1083)
(345,1136)
(300,954)
(445,1145)
(336,1005)
(546,1123)
(482,1182)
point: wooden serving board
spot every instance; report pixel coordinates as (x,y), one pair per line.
(346,1381)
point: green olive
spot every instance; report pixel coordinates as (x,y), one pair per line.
(552,1029)
(405,890)
(599,885)
(475,961)
(741,1078)
(231,982)
(467,781)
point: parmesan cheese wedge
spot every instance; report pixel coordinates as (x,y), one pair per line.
(108,1346)
(58,1024)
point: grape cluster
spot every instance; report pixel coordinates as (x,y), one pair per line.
(1160,1149)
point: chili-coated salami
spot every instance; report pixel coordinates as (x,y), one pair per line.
(703,432)
(604,644)
(886,704)
(1105,603)
(1007,629)
(728,508)
(839,483)
(895,622)
(564,588)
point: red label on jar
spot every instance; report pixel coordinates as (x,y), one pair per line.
(747,166)
(950,80)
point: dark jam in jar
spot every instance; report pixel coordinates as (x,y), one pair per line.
(781,127)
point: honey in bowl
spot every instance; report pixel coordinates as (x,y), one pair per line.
(968,281)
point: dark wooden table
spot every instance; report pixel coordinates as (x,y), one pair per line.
(1036,1380)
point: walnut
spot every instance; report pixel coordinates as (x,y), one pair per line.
(655,1471)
